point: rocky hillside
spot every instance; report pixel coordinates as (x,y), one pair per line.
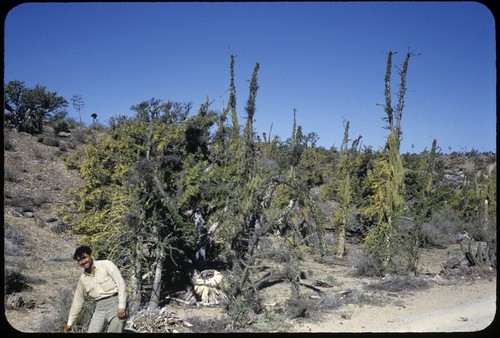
(40,274)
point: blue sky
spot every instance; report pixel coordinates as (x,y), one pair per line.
(326,60)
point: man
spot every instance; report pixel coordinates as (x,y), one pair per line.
(102,281)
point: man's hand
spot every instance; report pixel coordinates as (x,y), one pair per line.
(121,313)
(67,329)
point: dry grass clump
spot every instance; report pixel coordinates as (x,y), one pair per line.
(7,143)
(14,241)
(24,202)
(48,141)
(11,174)
(270,321)
(211,325)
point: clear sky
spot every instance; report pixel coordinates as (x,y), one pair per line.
(327,60)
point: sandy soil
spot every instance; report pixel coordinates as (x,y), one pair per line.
(451,308)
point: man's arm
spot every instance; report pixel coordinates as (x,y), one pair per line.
(114,272)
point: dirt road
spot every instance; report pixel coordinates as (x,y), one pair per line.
(452,308)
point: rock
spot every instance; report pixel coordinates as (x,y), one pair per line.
(64,134)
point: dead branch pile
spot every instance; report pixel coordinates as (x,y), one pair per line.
(158,321)
(396,283)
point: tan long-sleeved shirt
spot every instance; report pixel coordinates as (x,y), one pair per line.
(105,280)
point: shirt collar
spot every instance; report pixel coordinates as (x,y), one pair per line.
(91,273)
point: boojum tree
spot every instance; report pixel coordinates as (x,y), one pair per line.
(385,244)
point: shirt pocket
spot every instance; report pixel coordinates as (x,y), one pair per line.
(106,283)
(89,286)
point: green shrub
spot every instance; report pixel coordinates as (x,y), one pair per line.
(61,126)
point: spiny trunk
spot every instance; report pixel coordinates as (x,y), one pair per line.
(156,289)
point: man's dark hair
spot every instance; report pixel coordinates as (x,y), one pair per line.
(82,250)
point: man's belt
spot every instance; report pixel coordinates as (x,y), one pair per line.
(103,298)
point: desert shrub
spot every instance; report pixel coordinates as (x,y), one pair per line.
(80,135)
(48,141)
(15,282)
(70,144)
(55,321)
(367,266)
(60,227)
(12,234)
(240,311)
(269,321)
(61,125)
(81,324)
(40,199)
(11,174)
(98,126)
(222,324)
(328,302)
(23,202)
(299,307)
(477,232)
(354,296)
(7,144)
(73,123)
(331,280)
(441,229)
(14,241)
(38,153)
(272,247)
